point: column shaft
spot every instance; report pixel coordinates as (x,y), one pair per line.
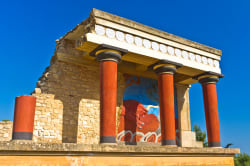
(211,113)
(167,115)
(24,117)
(108,56)
(108,97)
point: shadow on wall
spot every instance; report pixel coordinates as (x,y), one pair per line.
(70,118)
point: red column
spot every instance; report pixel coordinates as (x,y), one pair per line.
(167,115)
(24,117)
(108,76)
(211,113)
(108,56)
(166,70)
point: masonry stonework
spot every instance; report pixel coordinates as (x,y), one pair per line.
(67,107)
(6,130)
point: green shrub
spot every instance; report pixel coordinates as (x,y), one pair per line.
(242,159)
(200,135)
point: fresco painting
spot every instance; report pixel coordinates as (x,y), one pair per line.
(140,116)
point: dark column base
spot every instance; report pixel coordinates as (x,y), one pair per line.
(22,136)
(168,142)
(214,144)
(107,139)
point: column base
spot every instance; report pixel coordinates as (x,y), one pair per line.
(107,139)
(22,136)
(214,144)
(169,142)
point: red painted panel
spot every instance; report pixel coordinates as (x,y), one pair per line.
(135,120)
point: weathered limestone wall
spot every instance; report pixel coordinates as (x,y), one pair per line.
(67,108)
(23,153)
(6,130)
(68,160)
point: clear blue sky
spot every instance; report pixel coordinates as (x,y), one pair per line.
(28,30)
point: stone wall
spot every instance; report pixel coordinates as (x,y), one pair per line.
(28,153)
(84,160)
(67,107)
(6,130)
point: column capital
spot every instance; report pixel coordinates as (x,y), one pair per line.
(208,77)
(106,52)
(165,67)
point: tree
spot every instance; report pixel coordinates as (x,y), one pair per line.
(242,159)
(200,135)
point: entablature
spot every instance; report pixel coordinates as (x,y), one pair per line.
(145,45)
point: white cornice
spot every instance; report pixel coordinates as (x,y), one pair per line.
(157,49)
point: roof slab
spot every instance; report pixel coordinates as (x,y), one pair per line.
(145,45)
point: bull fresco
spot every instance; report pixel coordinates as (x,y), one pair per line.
(140,116)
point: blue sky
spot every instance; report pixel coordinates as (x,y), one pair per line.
(29,29)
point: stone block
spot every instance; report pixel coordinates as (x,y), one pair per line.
(188,139)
